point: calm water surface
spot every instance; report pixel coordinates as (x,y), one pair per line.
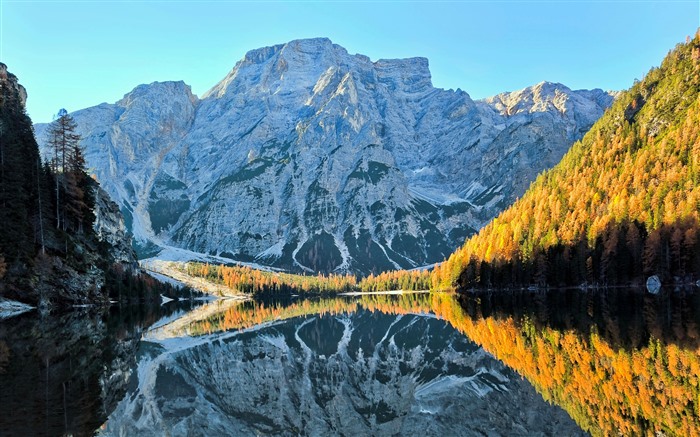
(61,375)
(564,363)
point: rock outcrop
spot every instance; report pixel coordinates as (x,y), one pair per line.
(110,228)
(41,264)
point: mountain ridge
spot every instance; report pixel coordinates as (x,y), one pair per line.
(620,207)
(307,158)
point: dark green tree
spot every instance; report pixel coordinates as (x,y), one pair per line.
(63,141)
(79,191)
(19,178)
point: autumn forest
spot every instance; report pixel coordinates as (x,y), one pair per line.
(621,206)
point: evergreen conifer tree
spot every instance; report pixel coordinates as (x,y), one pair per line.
(74,199)
(19,181)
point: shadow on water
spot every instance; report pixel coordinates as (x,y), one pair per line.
(624,318)
(63,374)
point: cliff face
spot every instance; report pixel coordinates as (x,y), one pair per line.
(16,94)
(78,276)
(110,229)
(309,158)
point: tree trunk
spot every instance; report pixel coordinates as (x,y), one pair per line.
(41,217)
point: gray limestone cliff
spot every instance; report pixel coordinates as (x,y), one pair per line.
(309,158)
(110,228)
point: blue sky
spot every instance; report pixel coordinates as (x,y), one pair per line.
(77,53)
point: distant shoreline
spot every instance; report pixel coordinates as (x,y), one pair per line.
(364,293)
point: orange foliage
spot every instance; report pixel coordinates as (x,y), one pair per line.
(414,280)
(250,314)
(608,392)
(253,281)
(639,162)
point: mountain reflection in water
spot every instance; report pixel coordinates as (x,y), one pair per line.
(618,362)
(377,365)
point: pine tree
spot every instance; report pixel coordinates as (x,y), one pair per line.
(86,187)
(629,188)
(63,140)
(41,201)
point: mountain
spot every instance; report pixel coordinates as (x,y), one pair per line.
(368,373)
(622,205)
(308,158)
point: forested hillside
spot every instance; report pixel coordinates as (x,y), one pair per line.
(247,280)
(623,203)
(52,251)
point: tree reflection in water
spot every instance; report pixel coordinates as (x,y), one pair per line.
(620,362)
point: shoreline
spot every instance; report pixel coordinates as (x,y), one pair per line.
(167,270)
(385,292)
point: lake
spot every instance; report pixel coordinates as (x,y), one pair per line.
(562,363)
(61,375)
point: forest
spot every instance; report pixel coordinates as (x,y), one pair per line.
(622,204)
(50,253)
(624,253)
(46,208)
(248,314)
(258,282)
(125,286)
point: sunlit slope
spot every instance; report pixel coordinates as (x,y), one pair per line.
(638,167)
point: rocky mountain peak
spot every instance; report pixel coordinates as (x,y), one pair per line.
(411,74)
(154,92)
(549,96)
(308,158)
(542,97)
(304,64)
(312,46)
(268,65)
